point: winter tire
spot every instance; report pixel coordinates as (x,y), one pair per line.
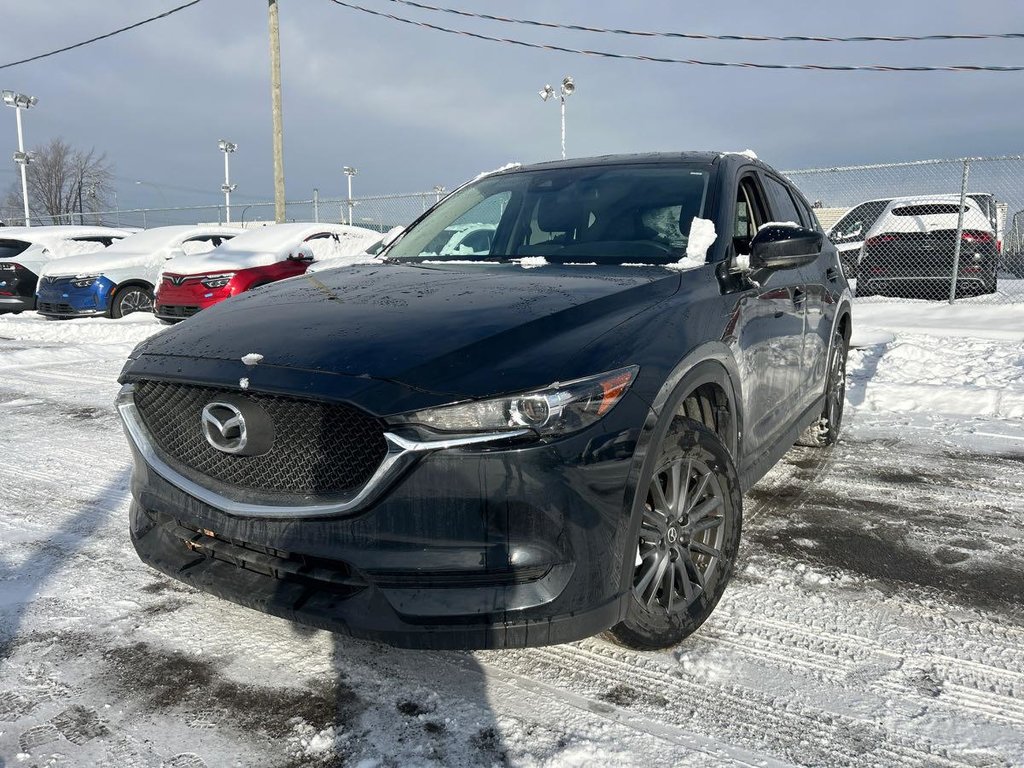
(688,539)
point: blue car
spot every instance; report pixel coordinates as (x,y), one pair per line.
(120,280)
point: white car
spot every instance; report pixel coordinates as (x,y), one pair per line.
(917,243)
(121,279)
(25,251)
(189,284)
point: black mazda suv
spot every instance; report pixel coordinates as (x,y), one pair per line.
(516,446)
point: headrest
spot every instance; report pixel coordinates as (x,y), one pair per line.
(558,213)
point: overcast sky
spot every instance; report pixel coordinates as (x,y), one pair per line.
(411,108)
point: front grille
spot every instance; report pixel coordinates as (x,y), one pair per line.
(319,449)
(176,310)
(55,309)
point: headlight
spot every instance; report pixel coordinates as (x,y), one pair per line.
(555,410)
(84,281)
(218,281)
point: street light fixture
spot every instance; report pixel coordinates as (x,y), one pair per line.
(227,147)
(349,171)
(439,190)
(567,89)
(20,101)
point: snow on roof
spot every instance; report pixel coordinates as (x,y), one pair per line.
(157,238)
(55,233)
(281,236)
(506,167)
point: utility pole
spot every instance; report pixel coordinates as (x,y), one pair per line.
(275,99)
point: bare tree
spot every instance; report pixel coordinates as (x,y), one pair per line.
(64,184)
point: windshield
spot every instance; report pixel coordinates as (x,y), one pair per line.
(606,214)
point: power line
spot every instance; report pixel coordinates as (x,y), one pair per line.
(691,62)
(731,38)
(137,24)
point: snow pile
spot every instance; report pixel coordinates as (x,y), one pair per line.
(532,262)
(506,167)
(196,247)
(702,237)
(76,247)
(253,358)
(745,153)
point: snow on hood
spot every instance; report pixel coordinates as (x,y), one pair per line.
(269,245)
(148,249)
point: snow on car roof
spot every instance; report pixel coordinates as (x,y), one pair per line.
(157,238)
(278,237)
(50,234)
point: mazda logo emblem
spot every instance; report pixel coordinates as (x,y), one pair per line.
(237,425)
(224,427)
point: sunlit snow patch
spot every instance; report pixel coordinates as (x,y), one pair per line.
(532,262)
(702,237)
(252,358)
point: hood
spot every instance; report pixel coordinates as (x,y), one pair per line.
(461,331)
(100,262)
(218,260)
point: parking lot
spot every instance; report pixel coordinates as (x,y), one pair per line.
(877,617)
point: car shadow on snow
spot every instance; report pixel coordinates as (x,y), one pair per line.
(24,580)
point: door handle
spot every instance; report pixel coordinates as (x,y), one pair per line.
(831,274)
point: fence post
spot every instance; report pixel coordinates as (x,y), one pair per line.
(959,231)
(316,205)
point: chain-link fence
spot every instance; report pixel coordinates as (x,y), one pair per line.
(379,212)
(932,230)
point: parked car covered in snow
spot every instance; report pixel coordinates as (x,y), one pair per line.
(462,239)
(524,446)
(910,249)
(189,284)
(25,251)
(121,279)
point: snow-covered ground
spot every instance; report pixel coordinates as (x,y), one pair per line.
(877,617)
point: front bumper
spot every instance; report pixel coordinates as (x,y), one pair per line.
(474,547)
(59,298)
(17,303)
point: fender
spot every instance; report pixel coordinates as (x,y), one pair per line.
(710,363)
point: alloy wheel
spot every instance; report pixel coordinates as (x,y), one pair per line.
(135,301)
(681,535)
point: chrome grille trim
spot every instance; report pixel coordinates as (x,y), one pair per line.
(400,455)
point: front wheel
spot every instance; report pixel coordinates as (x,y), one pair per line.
(688,540)
(131,298)
(825,431)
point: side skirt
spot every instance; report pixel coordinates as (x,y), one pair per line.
(754,468)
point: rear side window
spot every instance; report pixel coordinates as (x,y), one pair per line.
(11,248)
(855,224)
(781,202)
(929,209)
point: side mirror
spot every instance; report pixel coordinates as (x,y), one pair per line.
(302,253)
(781,247)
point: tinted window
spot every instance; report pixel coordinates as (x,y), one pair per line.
(930,209)
(11,248)
(782,205)
(855,224)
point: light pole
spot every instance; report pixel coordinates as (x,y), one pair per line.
(20,101)
(438,192)
(349,171)
(568,89)
(227,147)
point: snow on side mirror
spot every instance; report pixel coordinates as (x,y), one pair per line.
(302,253)
(173,253)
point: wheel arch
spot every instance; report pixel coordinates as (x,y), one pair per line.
(709,365)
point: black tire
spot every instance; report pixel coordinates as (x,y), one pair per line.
(131,299)
(688,587)
(824,433)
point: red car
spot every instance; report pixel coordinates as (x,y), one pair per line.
(189,284)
